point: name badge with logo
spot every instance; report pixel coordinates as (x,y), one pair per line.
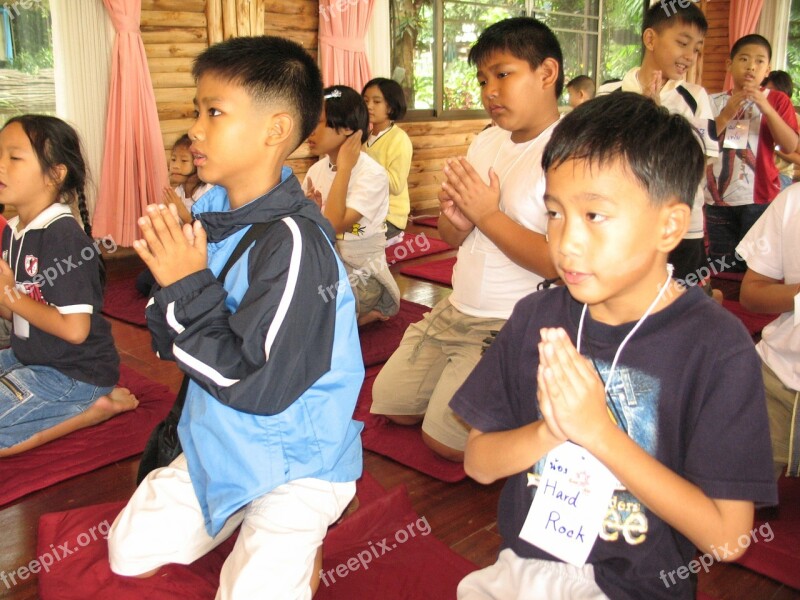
(568,509)
(736,134)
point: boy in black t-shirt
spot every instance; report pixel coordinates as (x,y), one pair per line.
(651,438)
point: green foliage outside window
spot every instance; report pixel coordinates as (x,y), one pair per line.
(575,22)
(793,50)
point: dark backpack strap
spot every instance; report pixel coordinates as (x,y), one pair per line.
(688,98)
(255,232)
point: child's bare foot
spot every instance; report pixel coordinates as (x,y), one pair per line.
(371,317)
(120,400)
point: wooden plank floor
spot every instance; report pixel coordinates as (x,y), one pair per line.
(462,515)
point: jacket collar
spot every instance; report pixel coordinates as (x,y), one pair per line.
(213,209)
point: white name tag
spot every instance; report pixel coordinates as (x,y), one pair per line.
(22,329)
(736,135)
(567,512)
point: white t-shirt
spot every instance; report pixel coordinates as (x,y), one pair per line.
(772,248)
(188,202)
(367,194)
(486,283)
(701,117)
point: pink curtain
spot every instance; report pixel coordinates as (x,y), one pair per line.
(342,29)
(134,169)
(743,21)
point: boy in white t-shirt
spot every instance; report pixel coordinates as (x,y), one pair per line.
(772,285)
(672,42)
(352,190)
(492,209)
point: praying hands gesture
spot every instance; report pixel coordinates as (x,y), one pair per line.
(652,88)
(569,390)
(468,194)
(169,251)
(314,194)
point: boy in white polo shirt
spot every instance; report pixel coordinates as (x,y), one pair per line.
(772,285)
(672,43)
(492,209)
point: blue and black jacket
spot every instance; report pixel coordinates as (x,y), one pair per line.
(273,355)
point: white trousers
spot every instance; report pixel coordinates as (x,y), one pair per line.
(273,556)
(515,578)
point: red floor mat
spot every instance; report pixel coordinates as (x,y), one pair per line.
(384,550)
(415,246)
(381,338)
(778,558)
(429,221)
(438,271)
(754,322)
(91,448)
(122,301)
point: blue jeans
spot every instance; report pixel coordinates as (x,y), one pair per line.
(726,226)
(34,398)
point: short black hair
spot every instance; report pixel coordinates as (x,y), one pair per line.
(345,109)
(751,39)
(583,83)
(182,142)
(392,94)
(781,81)
(665,14)
(273,70)
(524,37)
(668,162)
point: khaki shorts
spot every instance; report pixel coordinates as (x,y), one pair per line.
(781,407)
(434,358)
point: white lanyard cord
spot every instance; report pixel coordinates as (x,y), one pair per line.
(632,331)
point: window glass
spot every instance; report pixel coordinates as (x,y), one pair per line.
(431,40)
(26,59)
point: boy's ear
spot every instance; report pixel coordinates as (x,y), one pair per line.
(649,38)
(280,128)
(549,70)
(675,219)
(728,64)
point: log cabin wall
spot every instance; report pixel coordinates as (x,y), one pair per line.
(716,49)
(175,31)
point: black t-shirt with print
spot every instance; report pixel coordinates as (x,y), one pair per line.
(687,388)
(58,265)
